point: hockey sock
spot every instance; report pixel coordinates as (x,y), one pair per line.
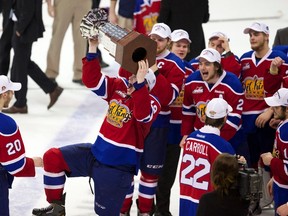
(128,199)
(54,175)
(147,190)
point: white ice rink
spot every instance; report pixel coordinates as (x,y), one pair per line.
(78,114)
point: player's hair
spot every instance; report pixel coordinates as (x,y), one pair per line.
(218,123)
(220,69)
(171,44)
(224,174)
(283,109)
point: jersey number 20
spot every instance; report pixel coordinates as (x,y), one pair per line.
(14,147)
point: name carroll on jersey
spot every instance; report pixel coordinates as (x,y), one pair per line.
(197,147)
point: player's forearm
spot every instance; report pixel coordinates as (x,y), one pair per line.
(28,170)
(93,44)
(113,6)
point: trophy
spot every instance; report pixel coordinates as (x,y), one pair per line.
(126,46)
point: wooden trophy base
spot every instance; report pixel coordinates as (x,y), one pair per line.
(133,48)
(127,47)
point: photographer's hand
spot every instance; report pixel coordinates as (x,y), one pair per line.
(266,158)
(241,159)
(282,210)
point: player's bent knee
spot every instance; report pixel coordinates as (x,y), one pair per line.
(53,159)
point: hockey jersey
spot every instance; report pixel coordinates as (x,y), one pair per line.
(168,83)
(174,136)
(258,82)
(282,48)
(200,151)
(12,149)
(198,93)
(145,15)
(128,119)
(279,165)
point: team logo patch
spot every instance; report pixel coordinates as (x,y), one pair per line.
(200,110)
(150,20)
(118,114)
(254,88)
(179,100)
(3,88)
(275,153)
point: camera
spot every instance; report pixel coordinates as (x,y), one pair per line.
(249,183)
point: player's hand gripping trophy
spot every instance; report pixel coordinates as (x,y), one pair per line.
(127,47)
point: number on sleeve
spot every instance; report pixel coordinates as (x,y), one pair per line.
(14,147)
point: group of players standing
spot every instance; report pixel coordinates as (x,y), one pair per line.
(216,73)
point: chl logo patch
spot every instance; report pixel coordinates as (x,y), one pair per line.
(246,66)
(198,90)
(118,114)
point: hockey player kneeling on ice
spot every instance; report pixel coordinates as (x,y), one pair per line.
(113,159)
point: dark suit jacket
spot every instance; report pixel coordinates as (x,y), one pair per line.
(188,15)
(30,24)
(281,37)
(5,8)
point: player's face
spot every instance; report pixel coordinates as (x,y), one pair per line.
(216,44)
(180,48)
(7,98)
(279,112)
(258,40)
(162,43)
(208,71)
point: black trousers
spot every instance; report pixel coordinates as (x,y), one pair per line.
(261,141)
(167,178)
(95,3)
(22,66)
(5,40)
